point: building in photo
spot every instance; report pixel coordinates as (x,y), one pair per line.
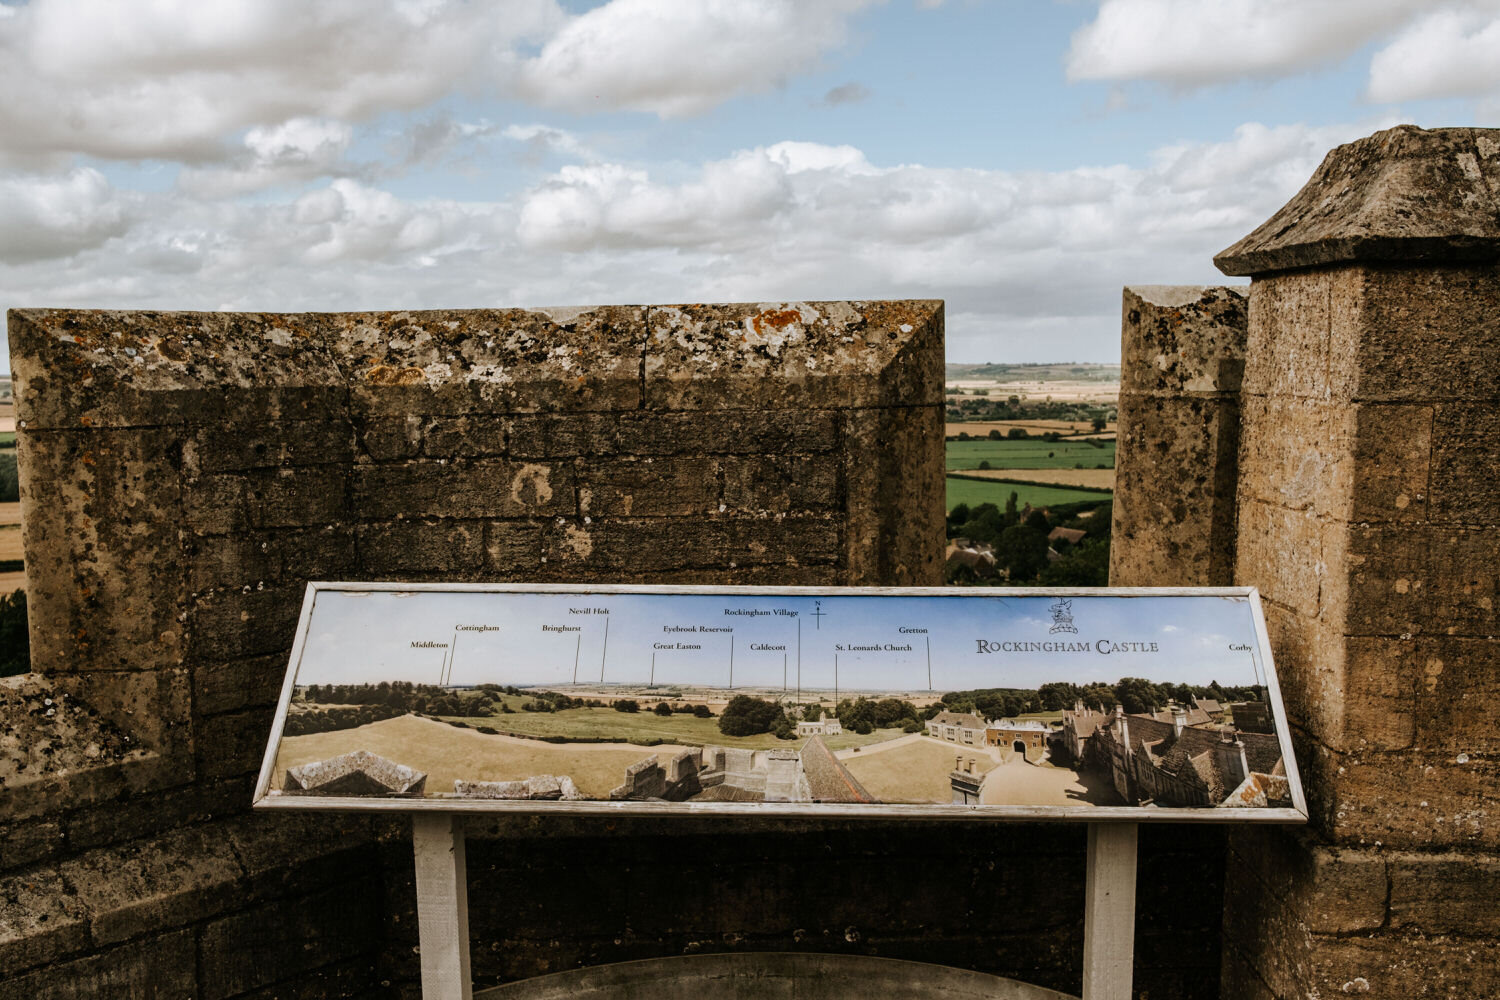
(957,727)
(1079,726)
(1017,737)
(1151,762)
(823,727)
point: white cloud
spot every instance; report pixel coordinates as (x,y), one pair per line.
(1452,52)
(542,141)
(180,79)
(43,218)
(301,149)
(1031,263)
(176,78)
(680,57)
(1194,42)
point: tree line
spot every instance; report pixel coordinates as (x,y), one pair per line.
(1136,695)
(1020,545)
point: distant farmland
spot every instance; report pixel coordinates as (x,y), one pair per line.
(974,492)
(1048,471)
(1030,453)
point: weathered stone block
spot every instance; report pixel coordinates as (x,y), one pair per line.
(1310,667)
(1372,693)
(1403,195)
(1426,333)
(1286,554)
(1298,454)
(153,968)
(1183,536)
(1448,893)
(355,977)
(514,549)
(467,361)
(236,624)
(239,445)
(267,498)
(793,355)
(1423,579)
(1411,799)
(484,488)
(102,514)
(1183,339)
(228,685)
(647,487)
(769,484)
(1329,890)
(1465,457)
(289,853)
(1287,351)
(283,939)
(388,438)
(28,841)
(1391,450)
(732,432)
(1399,966)
(467,435)
(1380,694)
(153,885)
(422,546)
(148,814)
(40,920)
(233,743)
(1455,679)
(152,706)
(559,435)
(893,483)
(103,368)
(653,545)
(268,557)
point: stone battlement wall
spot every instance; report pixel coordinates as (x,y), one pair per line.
(183,475)
(1363,386)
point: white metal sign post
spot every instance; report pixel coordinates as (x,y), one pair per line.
(1109,912)
(442,905)
(443,909)
(1192,731)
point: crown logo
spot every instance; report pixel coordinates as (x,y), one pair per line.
(1062,617)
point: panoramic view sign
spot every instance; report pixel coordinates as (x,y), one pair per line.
(1011,703)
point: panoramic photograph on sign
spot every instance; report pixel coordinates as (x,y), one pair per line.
(979,700)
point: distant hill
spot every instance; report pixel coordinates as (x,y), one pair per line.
(1060,371)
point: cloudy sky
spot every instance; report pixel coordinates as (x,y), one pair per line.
(1021,160)
(856,643)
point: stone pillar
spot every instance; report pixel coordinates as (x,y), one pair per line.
(1369,517)
(1182,352)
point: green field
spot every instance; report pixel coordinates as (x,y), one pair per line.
(974,492)
(1029,454)
(623,727)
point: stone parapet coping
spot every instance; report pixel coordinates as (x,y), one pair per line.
(1406,195)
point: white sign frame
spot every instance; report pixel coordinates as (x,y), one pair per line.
(1296,814)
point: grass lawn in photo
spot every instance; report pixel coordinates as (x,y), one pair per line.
(914,768)
(1030,453)
(974,492)
(446,753)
